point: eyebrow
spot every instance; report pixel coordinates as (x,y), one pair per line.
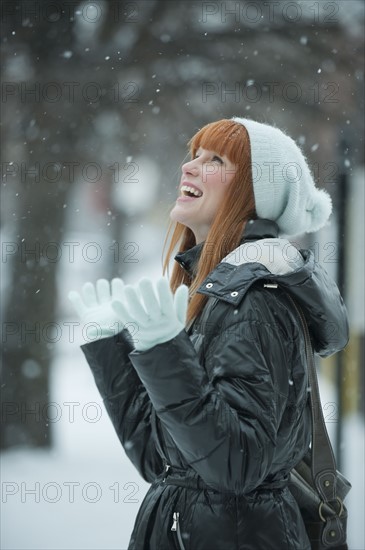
(210,151)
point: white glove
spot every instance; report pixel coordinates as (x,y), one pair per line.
(93,305)
(159,318)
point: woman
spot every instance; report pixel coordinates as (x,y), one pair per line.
(208,392)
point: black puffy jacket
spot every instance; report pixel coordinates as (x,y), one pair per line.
(216,418)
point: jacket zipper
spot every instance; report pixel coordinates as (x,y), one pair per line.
(167,467)
(176,527)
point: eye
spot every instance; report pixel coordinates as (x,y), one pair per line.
(217,159)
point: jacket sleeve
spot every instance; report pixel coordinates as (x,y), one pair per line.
(226,427)
(126,401)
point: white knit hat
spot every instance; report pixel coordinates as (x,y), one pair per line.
(283,185)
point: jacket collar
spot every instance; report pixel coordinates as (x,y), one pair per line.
(189,259)
(254,230)
(260,229)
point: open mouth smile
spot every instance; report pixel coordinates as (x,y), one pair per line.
(188,192)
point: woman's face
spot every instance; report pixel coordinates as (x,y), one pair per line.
(207,176)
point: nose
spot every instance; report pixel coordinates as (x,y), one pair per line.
(190,167)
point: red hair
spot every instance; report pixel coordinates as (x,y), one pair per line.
(229,138)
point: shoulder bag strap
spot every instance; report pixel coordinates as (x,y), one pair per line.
(323,464)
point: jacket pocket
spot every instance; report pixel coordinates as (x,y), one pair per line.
(176,528)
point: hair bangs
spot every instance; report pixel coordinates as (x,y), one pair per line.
(225,137)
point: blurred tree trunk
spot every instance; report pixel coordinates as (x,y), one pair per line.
(29,318)
(28,322)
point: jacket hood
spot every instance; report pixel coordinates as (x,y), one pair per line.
(262,256)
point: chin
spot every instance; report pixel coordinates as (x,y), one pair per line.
(175,217)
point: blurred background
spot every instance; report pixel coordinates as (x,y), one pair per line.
(98,102)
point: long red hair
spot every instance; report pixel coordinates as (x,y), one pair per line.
(229,138)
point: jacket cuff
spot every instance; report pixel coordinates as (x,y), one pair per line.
(171,372)
(122,341)
(109,362)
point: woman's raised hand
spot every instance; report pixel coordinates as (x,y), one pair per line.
(158,314)
(94,307)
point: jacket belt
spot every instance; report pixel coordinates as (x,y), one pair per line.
(182,477)
(173,475)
